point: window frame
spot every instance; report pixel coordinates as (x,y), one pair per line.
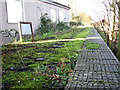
(20,29)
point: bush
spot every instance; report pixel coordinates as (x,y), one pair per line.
(10,33)
(46,25)
(75,23)
(61,25)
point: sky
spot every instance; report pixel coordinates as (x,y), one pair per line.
(95,8)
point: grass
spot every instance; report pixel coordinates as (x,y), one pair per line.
(52,72)
(65,34)
(103,36)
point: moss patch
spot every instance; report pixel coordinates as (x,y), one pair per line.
(90,45)
(51,72)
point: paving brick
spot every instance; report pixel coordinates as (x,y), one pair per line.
(95,69)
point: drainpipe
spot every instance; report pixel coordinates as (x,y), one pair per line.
(23,7)
(57,15)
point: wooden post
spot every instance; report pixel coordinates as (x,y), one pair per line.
(107,39)
(118,53)
(20,32)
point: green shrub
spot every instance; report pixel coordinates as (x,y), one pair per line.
(45,26)
(75,23)
(10,33)
(61,25)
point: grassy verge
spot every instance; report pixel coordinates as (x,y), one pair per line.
(103,36)
(65,34)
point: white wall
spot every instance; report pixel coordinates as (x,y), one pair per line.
(32,13)
(65,13)
(45,8)
(5,24)
(0,22)
(0,15)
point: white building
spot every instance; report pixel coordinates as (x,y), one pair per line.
(13,11)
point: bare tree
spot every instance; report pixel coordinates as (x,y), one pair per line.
(110,21)
(118,53)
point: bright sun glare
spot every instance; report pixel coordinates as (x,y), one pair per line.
(91,7)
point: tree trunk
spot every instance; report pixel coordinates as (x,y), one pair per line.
(118,53)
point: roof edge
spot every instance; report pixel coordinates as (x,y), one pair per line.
(55,4)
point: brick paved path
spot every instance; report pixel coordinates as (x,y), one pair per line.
(95,69)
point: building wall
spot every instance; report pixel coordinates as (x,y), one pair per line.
(5,24)
(0,21)
(45,8)
(32,11)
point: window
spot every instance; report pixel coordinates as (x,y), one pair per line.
(26,29)
(53,15)
(61,16)
(14,11)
